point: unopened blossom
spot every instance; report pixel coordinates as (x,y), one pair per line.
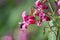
(40,5)
(38,23)
(37,3)
(58,3)
(45,18)
(58,11)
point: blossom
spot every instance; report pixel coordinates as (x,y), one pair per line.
(30,19)
(45,18)
(27,20)
(58,3)
(58,11)
(40,5)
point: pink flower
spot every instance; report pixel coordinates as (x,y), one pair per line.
(27,20)
(58,3)
(24,26)
(37,3)
(58,11)
(31,20)
(45,18)
(41,15)
(38,23)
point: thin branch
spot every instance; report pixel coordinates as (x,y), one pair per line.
(50,7)
(57,34)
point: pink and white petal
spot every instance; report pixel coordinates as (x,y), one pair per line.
(37,3)
(24,15)
(24,27)
(43,19)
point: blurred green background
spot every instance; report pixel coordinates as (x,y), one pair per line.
(10,15)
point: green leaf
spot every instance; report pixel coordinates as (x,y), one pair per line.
(51,23)
(51,36)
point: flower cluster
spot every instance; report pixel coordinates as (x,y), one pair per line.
(39,12)
(58,3)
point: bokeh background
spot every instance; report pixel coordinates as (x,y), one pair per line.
(10,15)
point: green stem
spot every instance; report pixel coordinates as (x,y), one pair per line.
(50,7)
(57,34)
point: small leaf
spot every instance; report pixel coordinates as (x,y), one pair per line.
(51,36)
(51,23)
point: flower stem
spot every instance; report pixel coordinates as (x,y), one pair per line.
(57,34)
(50,7)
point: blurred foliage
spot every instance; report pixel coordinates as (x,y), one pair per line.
(10,15)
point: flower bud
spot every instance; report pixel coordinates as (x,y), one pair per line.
(58,3)
(58,11)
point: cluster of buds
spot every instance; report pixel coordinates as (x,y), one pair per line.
(58,3)
(38,11)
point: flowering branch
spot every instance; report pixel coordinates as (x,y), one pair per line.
(43,16)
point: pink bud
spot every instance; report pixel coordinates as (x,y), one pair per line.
(58,11)
(43,19)
(58,3)
(38,23)
(42,14)
(37,3)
